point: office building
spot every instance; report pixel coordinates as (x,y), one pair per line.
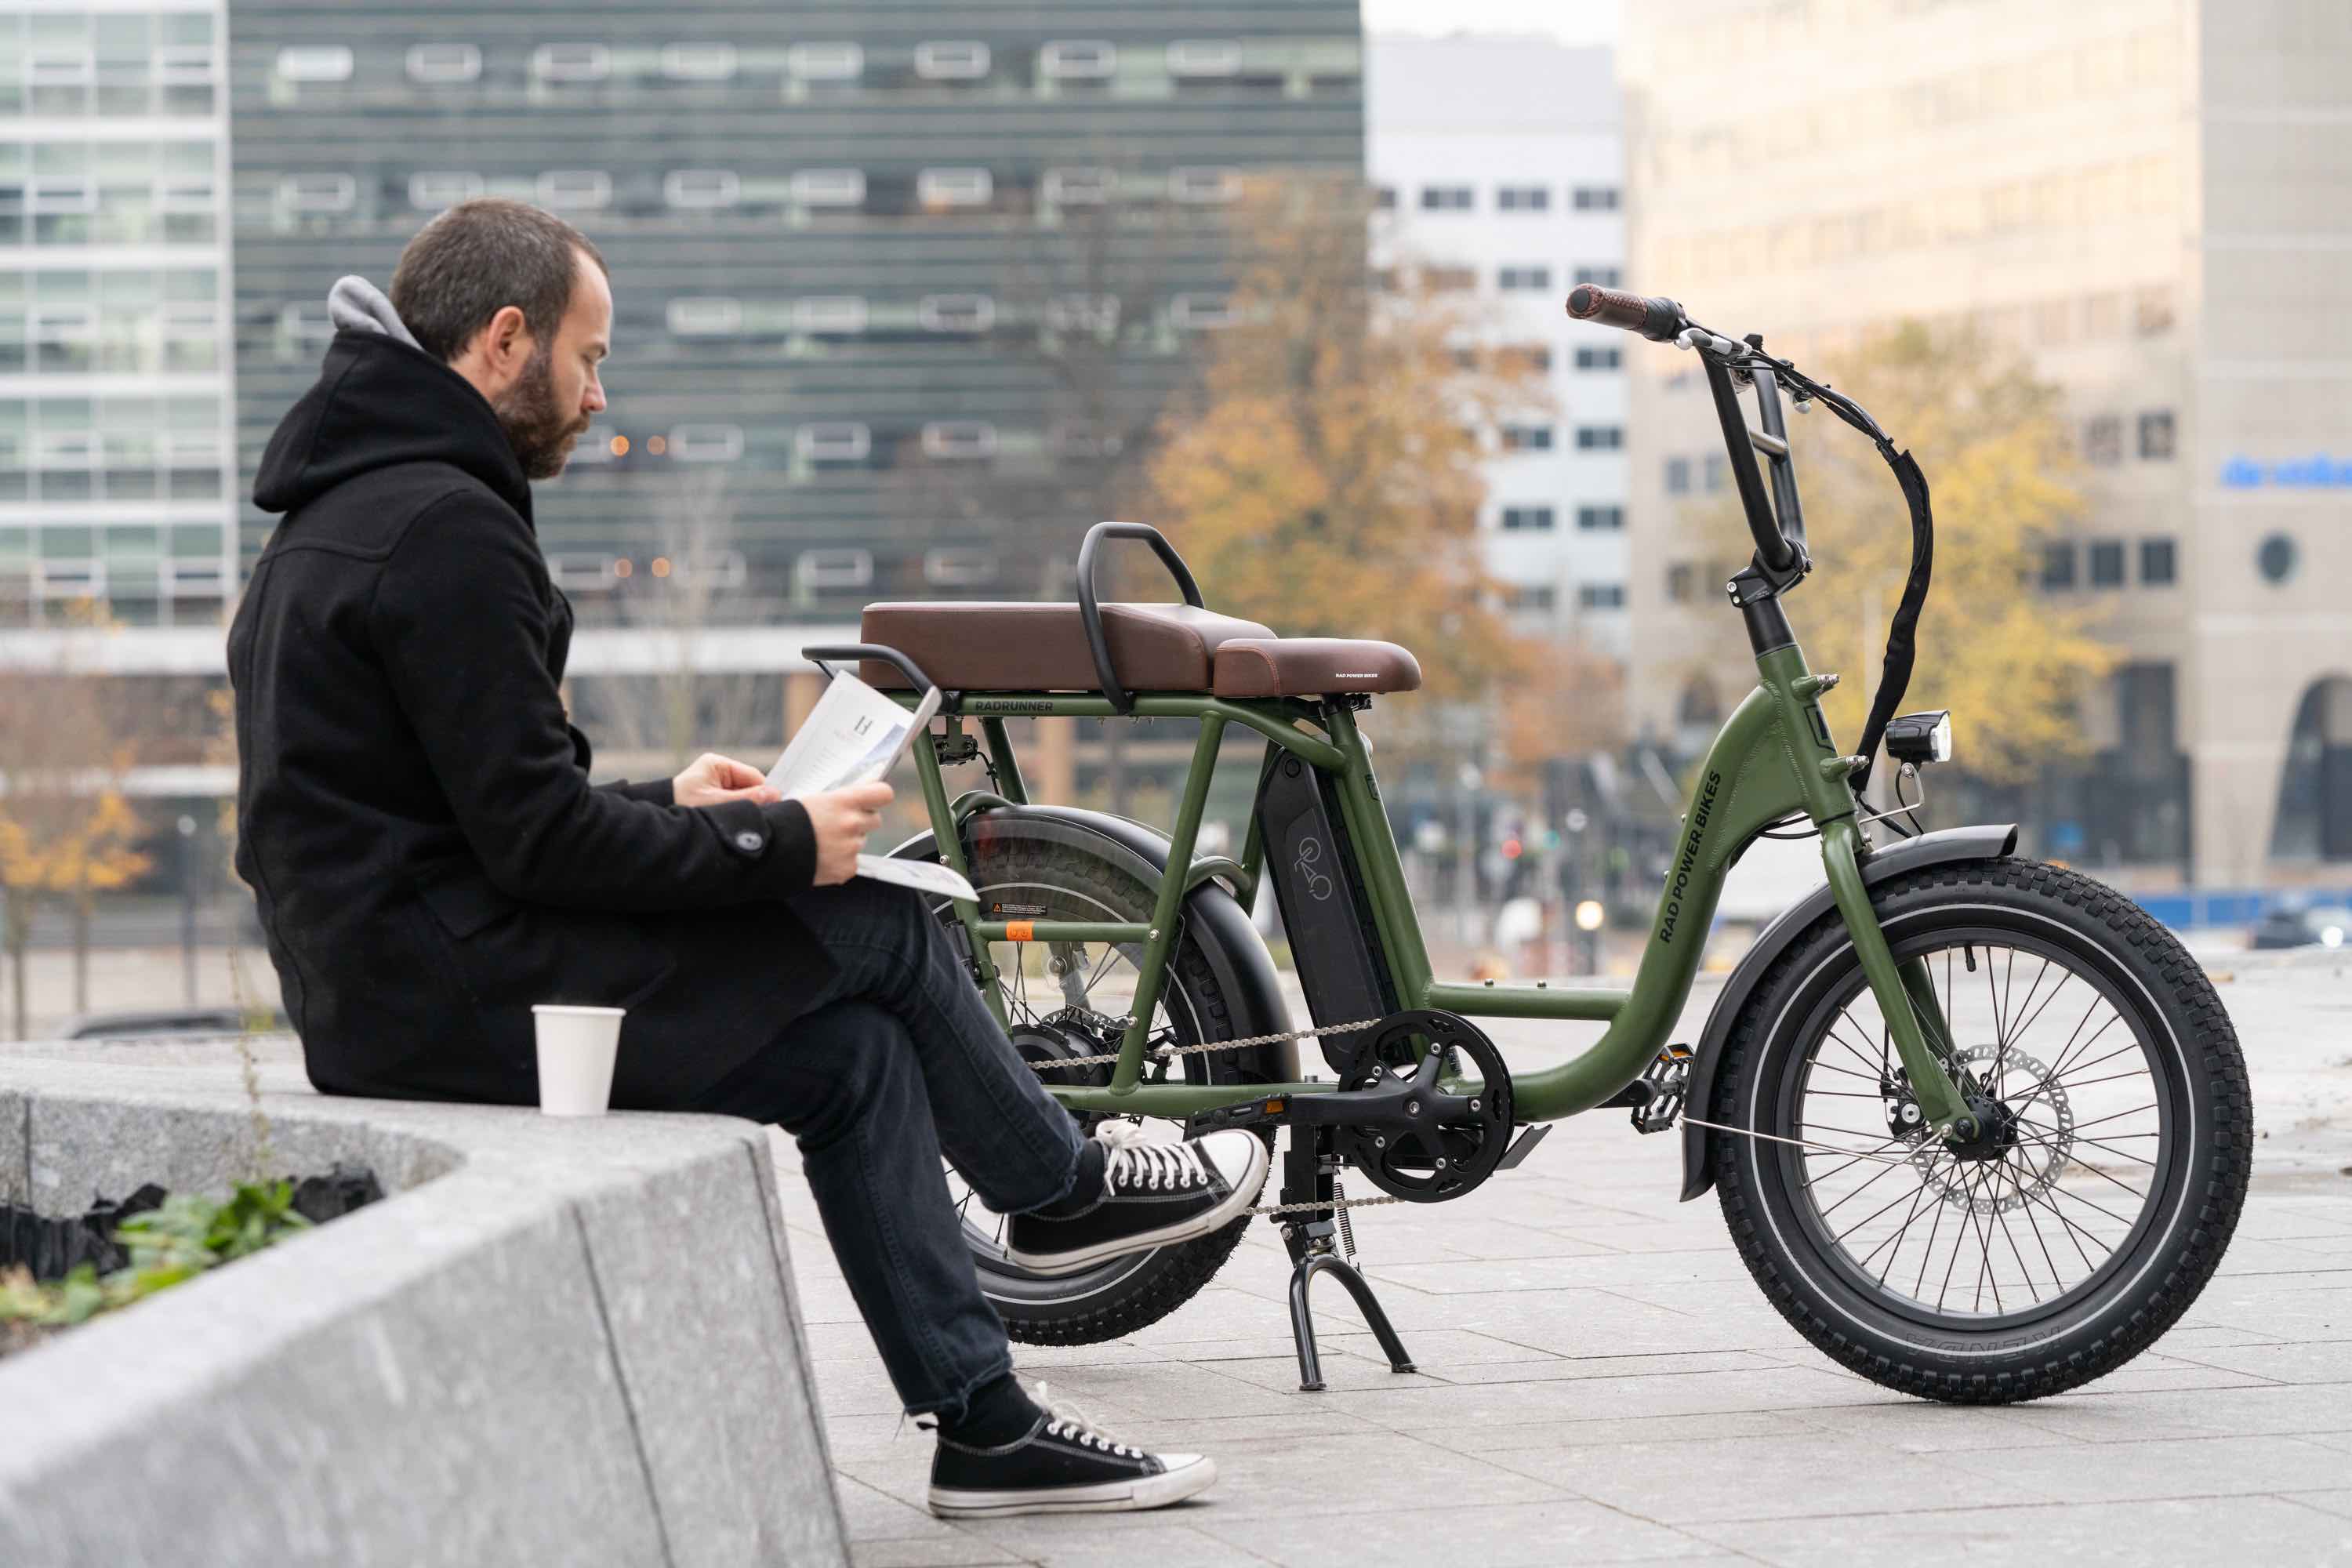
(897,289)
(1499,166)
(115,409)
(2143,199)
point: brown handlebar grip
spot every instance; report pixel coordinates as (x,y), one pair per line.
(1655,319)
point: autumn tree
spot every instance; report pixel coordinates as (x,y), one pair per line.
(1325,476)
(2011,665)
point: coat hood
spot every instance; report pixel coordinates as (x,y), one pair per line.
(381,400)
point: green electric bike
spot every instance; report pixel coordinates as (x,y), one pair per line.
(1979,1126)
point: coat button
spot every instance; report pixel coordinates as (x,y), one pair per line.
(748,841)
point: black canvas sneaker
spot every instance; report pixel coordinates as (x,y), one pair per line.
(1153,1194)
(1062,1466)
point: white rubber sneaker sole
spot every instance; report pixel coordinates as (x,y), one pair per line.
(1188,1474)
(1245,1193)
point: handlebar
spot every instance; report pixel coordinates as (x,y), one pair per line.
(1658,320)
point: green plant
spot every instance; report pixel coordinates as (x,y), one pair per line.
(186,1235)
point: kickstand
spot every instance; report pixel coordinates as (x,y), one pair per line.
(1308,1171)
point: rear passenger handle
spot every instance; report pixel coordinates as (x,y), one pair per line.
(1091,612)
(844,653)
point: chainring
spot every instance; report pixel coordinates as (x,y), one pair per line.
(1456,1136)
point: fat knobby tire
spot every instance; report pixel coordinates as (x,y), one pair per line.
(2113,1330)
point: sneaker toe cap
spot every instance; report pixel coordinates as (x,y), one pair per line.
(1239,1156)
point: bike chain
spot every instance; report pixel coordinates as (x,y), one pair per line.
(1340,1203)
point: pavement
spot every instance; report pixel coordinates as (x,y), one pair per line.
(1602,1382)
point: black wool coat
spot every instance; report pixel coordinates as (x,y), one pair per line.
(415,814)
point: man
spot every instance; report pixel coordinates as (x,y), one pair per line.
(429,860)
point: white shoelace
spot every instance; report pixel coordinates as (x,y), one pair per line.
(1065,1422)
(1133,1163)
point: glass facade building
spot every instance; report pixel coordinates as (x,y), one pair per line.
(115,400)
(898,285)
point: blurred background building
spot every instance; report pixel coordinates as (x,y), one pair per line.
(115,376)
(1498,164)
(2141,198)
(895,287)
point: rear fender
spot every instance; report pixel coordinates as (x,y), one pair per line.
(1987,842)
(1236,953)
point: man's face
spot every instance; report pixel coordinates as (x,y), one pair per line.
(557,394)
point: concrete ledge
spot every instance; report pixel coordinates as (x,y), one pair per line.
(554,1341)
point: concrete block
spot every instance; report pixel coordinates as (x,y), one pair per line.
(15,1150)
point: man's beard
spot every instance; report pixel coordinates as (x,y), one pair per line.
(540,433)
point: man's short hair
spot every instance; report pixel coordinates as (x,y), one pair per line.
(479,258)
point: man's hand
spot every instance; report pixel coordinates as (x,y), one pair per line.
(713,778)
(841,819)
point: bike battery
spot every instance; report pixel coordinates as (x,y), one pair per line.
(1333,945)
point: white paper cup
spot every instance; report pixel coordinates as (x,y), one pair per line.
(576,1048)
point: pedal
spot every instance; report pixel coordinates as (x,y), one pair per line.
(1668,1081)
(1274,1112)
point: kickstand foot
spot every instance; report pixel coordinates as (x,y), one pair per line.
(1302,1320)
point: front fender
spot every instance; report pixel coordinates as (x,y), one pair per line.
(1235,952)
(1984,842)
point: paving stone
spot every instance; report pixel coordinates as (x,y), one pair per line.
(2338,1502)
(957,1551)
(1514,1535)
(2195,1533)
(2120,1472)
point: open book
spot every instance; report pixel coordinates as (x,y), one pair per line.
(856,735)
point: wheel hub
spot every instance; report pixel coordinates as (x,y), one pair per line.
(2025,1133)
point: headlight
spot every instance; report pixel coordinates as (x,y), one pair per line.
(1920,738)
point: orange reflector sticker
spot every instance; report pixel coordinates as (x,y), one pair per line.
(1273,1108)
(1020,931)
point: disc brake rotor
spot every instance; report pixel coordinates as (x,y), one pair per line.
(2026,1168)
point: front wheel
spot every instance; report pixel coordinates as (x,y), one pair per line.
(2084,1221)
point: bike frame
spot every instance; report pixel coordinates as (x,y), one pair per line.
(1772,759)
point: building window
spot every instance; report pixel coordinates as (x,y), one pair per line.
(1682,579)
(828,187)
(1599,438)
(2156,436)
(186,194)
(60,68)
(2102,441)
(844,442)
(956,312)
(835,313)
(583,574)
(444,62)
(1600,518)
(1526,438)
(78,193)
(1601,595)
(1527,596)
(1591,357)
(578,190)
(1077,187)
(834,569)
(1082,438)
(702,187)
(1678,476)
(1716,472)
(572,62)
(705,316)
(825,62)
(1384,198)
(1446,198)
(1596,198)
(1524,356)
(959,438)
(2157,563)
(958,568)
(699,63)
(1449,280)
(707,443)
(2058,564)
(317,193)
(1513,279)
(1096,313)
(1077,59)
(1204,58)
(184,65)
(1527,519)
(1523,198)
(1599,277)
(2275,557)
(2107,563)
(963,59)
(954,187)
(315,62)
(1201,311)
(443,188)
(1200,185)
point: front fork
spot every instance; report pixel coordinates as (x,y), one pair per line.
(1905,993)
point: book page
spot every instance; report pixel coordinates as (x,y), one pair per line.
(923,876)
(854,735)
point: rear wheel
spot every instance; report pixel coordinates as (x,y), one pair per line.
(1063,1000)
(2086,1220)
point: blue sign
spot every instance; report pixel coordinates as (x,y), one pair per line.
(2317,472)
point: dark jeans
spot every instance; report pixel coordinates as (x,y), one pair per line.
(898,1060)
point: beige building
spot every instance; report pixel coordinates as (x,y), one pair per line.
(2148,198)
